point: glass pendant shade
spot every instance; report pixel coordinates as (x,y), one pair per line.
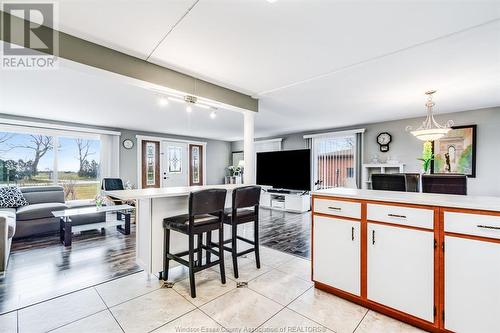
(430,129)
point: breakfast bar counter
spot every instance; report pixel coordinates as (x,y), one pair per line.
(431,260)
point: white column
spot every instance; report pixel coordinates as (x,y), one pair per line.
(249,148)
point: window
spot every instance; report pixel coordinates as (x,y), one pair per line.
(335,158)
(32,159)
(78,167)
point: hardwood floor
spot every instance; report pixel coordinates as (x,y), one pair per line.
(287,232)
(41,268)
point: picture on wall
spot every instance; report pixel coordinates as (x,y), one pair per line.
(456,152)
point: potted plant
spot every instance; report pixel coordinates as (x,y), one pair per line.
(427,157)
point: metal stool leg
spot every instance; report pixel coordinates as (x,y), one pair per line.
(256,241)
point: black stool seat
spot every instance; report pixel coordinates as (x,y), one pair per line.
(181,222)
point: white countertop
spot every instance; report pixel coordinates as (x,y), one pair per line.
(428,199)
(165,192)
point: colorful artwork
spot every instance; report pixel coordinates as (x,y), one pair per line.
(456,152)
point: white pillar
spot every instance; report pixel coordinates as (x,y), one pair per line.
(249,148)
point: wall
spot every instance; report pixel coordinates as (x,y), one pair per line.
(407,148)
(217,156)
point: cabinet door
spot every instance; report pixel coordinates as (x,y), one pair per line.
(401,269)
(336,250)
(471,285)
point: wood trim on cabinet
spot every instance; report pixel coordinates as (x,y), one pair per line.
(364,251)
(417,322)
(337,217)
(472,237)
(404,226)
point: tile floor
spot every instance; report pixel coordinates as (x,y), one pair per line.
(278,298)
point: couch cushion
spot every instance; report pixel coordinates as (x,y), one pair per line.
(11,197)
(38,211)
(43,194)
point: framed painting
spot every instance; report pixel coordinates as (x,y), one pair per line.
(456,152)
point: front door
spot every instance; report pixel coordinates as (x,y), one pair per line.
(150,164)
(175,167)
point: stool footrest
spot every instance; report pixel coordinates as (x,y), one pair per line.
(245,240)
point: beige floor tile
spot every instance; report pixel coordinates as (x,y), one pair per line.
(273,258)
(241,308)
(194,321)
(102,322)
(8,322)
(290,321)
(59,311)
(208,287)
(247,269)
(298,267)
(375,322)
(150,311)
(278,286)
(126,288)
(328,310)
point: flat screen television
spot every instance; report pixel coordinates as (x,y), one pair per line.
(286,169)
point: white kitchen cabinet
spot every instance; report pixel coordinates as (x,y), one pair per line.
(337,258)
(401,269)
(472,288)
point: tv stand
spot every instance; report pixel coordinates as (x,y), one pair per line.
(286,200)
(276,190)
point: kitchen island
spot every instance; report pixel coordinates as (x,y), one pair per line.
(152,206)
(430,260)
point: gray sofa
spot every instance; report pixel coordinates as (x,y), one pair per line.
(36,218)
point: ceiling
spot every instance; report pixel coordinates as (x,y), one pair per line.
(78,93)
(313,64)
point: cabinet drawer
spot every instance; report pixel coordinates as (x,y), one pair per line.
(415,217)
(338,207)
(472,224)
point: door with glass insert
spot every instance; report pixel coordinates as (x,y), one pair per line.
(175,168)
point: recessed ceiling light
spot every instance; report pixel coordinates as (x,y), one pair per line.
(189,108)
(162,101)
(213,114)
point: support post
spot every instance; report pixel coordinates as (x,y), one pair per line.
(249,148)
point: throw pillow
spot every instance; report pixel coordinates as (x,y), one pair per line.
(11,197)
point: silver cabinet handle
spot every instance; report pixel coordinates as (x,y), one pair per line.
(488,227)
(373,237)
(352,233)
(335,208)
(397,215)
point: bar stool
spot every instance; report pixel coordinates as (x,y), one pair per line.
(206,213)
(245,209)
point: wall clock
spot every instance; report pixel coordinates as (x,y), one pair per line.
(383,139)
(128,144)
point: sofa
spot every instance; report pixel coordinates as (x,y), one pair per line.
(36,218)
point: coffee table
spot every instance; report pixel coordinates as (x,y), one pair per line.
(66,229)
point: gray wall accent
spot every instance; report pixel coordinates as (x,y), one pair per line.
(217,156)
(95,55)
(407,148)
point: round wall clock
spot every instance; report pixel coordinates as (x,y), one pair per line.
(383,139)
(128,144)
